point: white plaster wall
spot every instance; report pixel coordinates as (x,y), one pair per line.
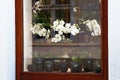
(7,40)
(114,39)
(27,33)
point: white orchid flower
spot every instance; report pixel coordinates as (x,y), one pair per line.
(95,27)
(88,23)
(74,32)
(33,30)
(74,29)
(60,32)
(62,22)
(47,34)
(68,25)
(60,28)
(55,23)
(58,37)
(54,40)
(96,30)
(39,33)
(43,32)
(37,3)
(34,11)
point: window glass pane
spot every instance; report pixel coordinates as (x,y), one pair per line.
(62,37)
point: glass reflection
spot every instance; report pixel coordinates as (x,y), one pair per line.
(62,36)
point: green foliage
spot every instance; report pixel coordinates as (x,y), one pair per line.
(42,18)
(76,59)
(36,55)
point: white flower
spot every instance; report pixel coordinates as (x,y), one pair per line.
(62,22)
(43,32)
(60,28)
(92,34)
(74,29)
(58,37)
(88,23)
(40,30)
(37,3)
(54,40)
(48,34)
(67,28)
(60,32)
(75,9)
(33,30)
(55,23)
(39,33)
(93,22)
(68,25)
(37,27)
(96,30)
(34,11)
(94,27)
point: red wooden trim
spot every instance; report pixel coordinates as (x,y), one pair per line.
(105,38)
(19,37)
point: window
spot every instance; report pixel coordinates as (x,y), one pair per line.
(65,37)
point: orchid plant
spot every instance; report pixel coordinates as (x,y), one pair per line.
(40,30)
(63,28)
(93,27)
(60,26)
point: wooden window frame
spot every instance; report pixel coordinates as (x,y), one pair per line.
(20,75)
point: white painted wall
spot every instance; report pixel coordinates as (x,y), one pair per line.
(7,40)
(114,39)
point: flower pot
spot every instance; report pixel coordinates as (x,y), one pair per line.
(97,69)
(75,67)
(48,66)
(32,68)
(97,66)
(37,61)
(63,67)
(88,64)
(56,65)
(40,68)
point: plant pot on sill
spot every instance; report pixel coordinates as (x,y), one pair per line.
(32,68)
(75,67)
(48,66)
(56,65)
(37,61)
(97,67)
(88,64)
(63,66)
